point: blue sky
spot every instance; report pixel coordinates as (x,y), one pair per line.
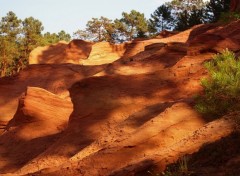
(71,15)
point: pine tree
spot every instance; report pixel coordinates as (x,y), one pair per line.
(132,25)
(100,29)
(188,13)
(222,88)
(62,35)
(215,8)
(82,34)
(32,38)
(9,30)
(161,19)
(50,38)
(182,21)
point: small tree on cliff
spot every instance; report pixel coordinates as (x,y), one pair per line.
(222,88)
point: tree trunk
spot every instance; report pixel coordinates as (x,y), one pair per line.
(99,35)
(3,71)
(162,24)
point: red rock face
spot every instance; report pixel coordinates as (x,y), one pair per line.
(235,6)
(37,114)
(61,52)
(123,117)
(216,39)
(76,52)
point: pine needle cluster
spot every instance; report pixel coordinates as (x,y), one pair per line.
(222,87)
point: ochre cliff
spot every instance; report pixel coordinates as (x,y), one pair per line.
(92,109)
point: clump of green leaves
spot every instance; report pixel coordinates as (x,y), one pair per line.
(18,38)
(222,87)
(227,17)
(180,168)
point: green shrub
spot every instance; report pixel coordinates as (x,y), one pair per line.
(227,17)
(180,168)
(222,87)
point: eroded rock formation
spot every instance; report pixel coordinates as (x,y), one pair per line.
(121,118)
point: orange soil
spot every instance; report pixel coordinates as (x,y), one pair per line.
(108,119)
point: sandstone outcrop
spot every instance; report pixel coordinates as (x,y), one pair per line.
(92,109)
(40,113)
(216,39)
(62,52)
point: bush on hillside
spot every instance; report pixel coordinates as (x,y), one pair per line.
(222,87)
(228,17)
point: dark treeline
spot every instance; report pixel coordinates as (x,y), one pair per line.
(19,37)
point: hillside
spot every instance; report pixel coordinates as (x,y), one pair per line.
(98,109)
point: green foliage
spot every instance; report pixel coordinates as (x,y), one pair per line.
(222,88)
(97,29)
(132,25)
(63,36)
(161,19)
(174,15)
(51,38)
(227,17)
(101,29)
(196,17)
(182,21)
(188,5)
(215,8)
(31,38)
(9,42)
(82,34)
(180,168)
(18,38)
(186,14)
(187,19)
